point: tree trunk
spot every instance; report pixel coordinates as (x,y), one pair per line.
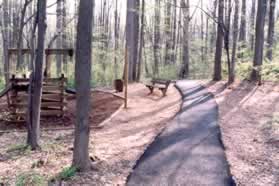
(82,80)
(132,30)
(184,71)
(141,39)
(219,43)
(116,38)
(20,35)
(242,30)
(5,40)
(156,44)
(270,36)
(173,47)
(259,44)
(235,37)
(168,35)
(252,26)
(59,22)
(213,32)
(34,109)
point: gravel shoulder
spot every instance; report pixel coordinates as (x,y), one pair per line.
(249,120)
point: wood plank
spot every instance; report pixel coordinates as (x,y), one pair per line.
(44,104)
(43,113)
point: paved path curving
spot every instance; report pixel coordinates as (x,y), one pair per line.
(189,151)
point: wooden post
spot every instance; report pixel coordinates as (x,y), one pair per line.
(126,77)
(47,71)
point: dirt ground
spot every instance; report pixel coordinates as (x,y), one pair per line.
(249,120)
(116,144)
(104,105)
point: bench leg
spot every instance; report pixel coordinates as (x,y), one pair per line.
(164,91)
(151,89)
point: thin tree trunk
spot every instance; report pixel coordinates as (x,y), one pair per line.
(235,37)
(168,35)
(259,44)
(5,40)
(156,45)
(242,31)
(252,26)
(59,22)
(270,36)
(34,109)
(173,47)
(219,43)
(116,38)
(213,32)
(82,80)
(184,71)
(141,39)
(132,30)
(20,35)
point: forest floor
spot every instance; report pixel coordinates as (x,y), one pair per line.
(249,120)
(115,144)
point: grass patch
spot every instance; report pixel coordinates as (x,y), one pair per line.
(67,173)
(30,179)
(18,148)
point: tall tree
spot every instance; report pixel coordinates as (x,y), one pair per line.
(235,37)
(20,34)
(242,30)
(34,109)
(184,71)
(259,44)
(116,37)
(81,158)
(174,33)
(213,31)
(168,35)
(252,24)
(59,40)
(141,39)
(5,38)
(219,43)
(132,34)
(156,43)
(271,24)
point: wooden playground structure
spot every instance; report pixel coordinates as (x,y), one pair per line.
(54,98)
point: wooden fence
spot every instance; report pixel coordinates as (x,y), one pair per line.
(53,97)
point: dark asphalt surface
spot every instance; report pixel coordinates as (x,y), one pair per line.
(189,151)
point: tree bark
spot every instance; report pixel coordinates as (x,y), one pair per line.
(156,43)
(82,81)
(5,40)
(219,43)
(116,38)
(235,37)
(132,34)
(270,36)
(59,40)
(168,35)
(20,35)
(242,31)
(184,71)
(252,26)
(259,44)
(34,109)
(141,40)
(173,47)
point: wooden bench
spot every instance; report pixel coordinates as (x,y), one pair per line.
(160,84)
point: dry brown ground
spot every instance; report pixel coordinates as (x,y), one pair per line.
(249,120)
(118,144)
